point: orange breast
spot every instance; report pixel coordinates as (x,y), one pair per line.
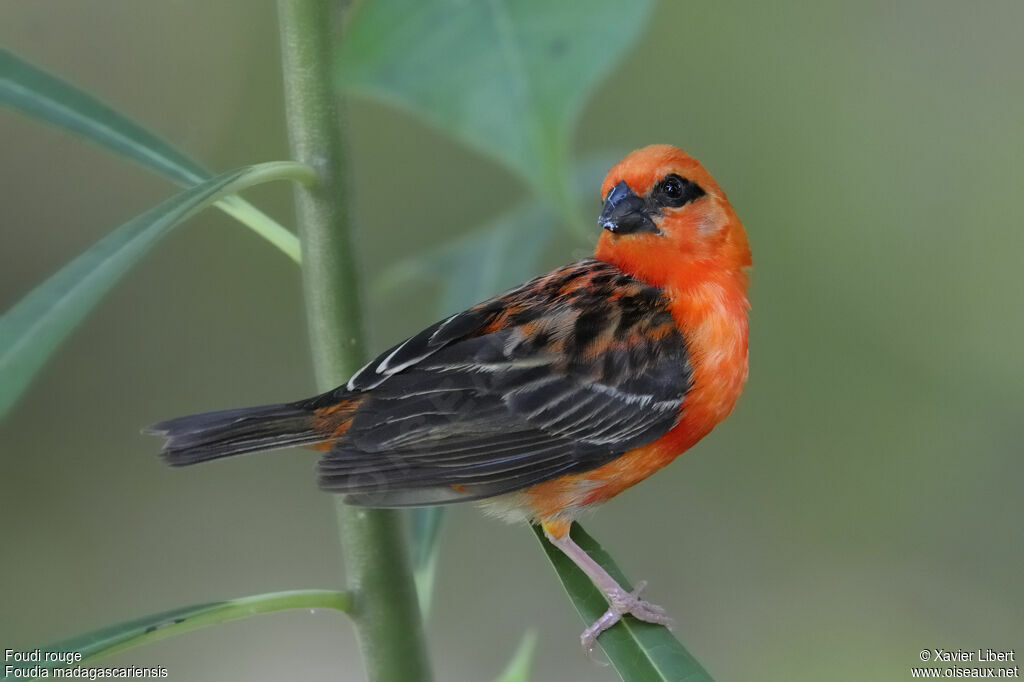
(713,317)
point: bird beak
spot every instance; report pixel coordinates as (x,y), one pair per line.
(626,213)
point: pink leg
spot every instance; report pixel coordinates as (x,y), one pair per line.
(620,602)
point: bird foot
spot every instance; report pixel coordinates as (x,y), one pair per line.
(621,603)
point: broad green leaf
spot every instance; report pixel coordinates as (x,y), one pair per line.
(640,652)
(518,669)
(43,96)
(36,325)
(503,253)
(159,626)
(508,77)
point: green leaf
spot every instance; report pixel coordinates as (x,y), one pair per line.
(507,77)
(518,669)
(426,535)
(43,96)
(36,325)
(159,626)
(639,651)
(503,253)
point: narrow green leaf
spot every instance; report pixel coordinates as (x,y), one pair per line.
(36,325)
(518,669)
(640,652)
(43,96)
(159,626)
(426,535)
(507,77)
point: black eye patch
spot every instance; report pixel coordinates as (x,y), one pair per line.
(673,191)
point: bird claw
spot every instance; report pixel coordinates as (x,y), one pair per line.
(621,603)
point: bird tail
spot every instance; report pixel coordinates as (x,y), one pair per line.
(213,435)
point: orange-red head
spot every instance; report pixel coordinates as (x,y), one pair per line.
(666,219)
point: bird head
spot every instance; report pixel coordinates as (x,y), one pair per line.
(664,216)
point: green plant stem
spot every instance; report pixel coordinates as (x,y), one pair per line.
(386,611)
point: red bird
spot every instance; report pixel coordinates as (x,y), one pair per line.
(552,397)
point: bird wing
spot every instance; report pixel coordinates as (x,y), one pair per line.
(558,376)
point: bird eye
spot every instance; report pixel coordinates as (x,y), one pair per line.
(674,191)
(672,187)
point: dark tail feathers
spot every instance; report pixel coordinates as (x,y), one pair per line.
(212,435)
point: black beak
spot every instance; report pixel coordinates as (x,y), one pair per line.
(626,213)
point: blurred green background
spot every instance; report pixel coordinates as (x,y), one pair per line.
(863,502)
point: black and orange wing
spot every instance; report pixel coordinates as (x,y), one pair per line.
(558,376)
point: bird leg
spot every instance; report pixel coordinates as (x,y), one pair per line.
(620,602)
